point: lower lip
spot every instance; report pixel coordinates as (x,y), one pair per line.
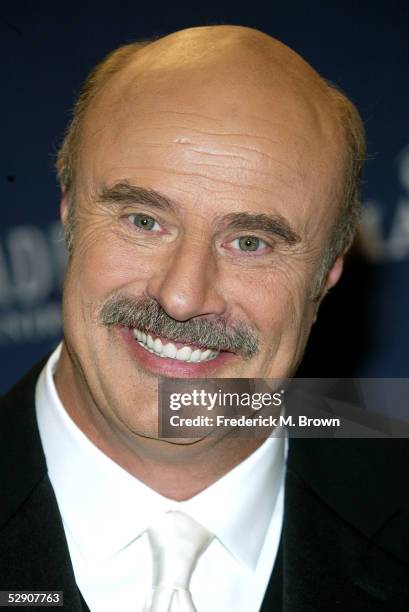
(173,368)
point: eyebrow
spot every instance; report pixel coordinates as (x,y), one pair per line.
(274,225)
(124,193)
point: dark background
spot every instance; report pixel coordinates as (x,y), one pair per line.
(47,49)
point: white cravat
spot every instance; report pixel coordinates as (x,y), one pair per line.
(176,543)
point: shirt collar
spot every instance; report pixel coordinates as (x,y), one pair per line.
(105,509)
(238,507)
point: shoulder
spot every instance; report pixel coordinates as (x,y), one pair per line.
(364,481)
(24,387)
(22,462)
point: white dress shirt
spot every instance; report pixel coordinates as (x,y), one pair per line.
(106,512)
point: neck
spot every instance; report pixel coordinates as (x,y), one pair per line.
(177,470)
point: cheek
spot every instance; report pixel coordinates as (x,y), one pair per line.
(105,263)
(278,305)
(272,298)
(289,331)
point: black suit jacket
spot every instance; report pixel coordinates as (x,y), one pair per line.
(345,539)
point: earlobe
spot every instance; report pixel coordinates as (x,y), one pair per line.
(335,273)
(64,209)
(333,277)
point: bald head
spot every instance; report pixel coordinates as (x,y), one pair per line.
(237,66)
(221,72)
(233,56)
(230,50)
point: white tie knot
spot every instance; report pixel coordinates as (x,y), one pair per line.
(177,543)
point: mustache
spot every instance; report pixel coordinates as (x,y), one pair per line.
(147,315)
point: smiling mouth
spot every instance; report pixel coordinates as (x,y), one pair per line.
(162,347)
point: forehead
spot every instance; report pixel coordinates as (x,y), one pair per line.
(192,134)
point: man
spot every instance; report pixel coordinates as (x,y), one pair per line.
(210,187)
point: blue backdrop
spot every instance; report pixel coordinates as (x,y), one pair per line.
(47,50)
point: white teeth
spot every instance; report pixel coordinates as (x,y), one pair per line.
(157,346)
(184,353)
(149,341)
(170,351)
(195,356)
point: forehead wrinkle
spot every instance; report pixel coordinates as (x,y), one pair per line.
(127,110)
(180,113)
(198,175)
(243,168)
(218,154)
(184,136)
(249,170)
(229,134)
(252,150)
(186,142)
(189,144)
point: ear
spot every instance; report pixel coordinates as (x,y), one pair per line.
(333,277)
(64,208)
(334,274)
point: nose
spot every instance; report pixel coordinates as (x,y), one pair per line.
(186,285)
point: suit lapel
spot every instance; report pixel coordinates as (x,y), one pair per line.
(335,555)
(273,598)
(34,553)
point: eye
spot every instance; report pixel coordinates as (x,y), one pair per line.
(249,244)
(144,222)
